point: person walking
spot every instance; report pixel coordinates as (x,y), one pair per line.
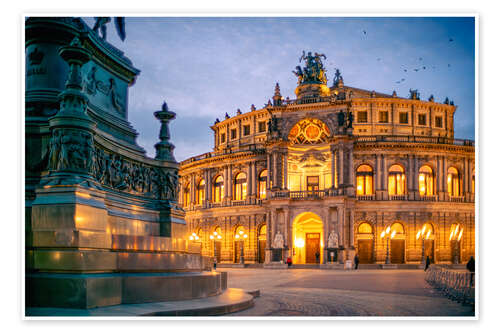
(215,263)
(317,257)
(471,267)
(289,262)
(356,261)
(427,263)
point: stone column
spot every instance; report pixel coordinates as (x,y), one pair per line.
(275,169)
(334,163)
(410,175)
(249,180)
(341,166)
(226,185)
(230,182)
(268,237)
(285,171)
(351,167)
(286,232)
(192,189)
(326,221)
(465,181)
(208,185)
(269,171)
(254,178)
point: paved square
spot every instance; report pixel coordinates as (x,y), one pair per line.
(313,292)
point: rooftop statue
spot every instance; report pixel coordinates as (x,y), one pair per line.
(100,24)
(313,72)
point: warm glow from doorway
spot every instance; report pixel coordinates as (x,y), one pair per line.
(299,242)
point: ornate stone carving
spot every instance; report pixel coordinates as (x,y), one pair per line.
(125,175)
(71,149)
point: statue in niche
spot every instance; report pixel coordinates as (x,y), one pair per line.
(278,241)
(333,240)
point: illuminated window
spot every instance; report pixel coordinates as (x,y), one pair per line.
(396,180)
(427,232)
(403,117)
(187,195)
(240,186)
(421,119)
(263,232)
(425,181)
(200,192)
(312,183)
(397,228)
(218,194)
(453,181)
(364,228)
(364,180)
(383,117)
(262,184)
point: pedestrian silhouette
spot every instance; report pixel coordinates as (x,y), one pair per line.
(356,261)
(317,257)
(471,267)
(427,263)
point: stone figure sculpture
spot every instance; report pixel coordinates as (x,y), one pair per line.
(100,26)
(278,241)
(333,240)
(313,71)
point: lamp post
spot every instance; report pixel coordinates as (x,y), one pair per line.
(421,234)
(388,235)
(241,236)
(215,236)
(456,235)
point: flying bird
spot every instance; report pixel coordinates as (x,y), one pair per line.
(364,31)
(423,67)
(449,65)
(378,59)
(450,40)
(406,70)
(402,80)
(420,58)
(416,69)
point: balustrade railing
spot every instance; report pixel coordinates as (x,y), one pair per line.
(457,285)
(457,199)
(367,197)
(427,198)
(398,197)
(417,139)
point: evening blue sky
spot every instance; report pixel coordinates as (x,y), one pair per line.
(207,66)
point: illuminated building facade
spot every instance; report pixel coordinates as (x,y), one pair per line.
(336,171)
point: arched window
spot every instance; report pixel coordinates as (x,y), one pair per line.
(365,228)
(427,232)
(425,181)
(240,186)
(397,228)
(262,184)
(186,196)
(453,181)
(456,232)
(364,180)
(396,180)
(200,192)
(218,193)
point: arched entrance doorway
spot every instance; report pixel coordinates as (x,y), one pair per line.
(426,234)
(365,243)
(261,256)
(307,239)
(456,233)
(397,243)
